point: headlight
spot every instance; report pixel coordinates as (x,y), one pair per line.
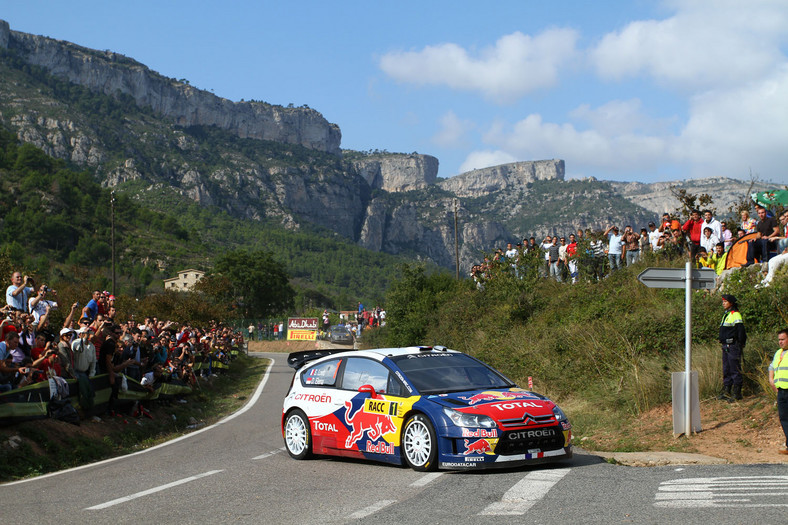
(461,419)
(559,414)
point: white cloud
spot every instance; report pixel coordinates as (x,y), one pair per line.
(482,159)
(702,45)
(518,64)
(619,117)
(532,138)
(731,131)
(453,131)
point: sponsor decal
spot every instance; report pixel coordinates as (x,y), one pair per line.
(479,446)
(314,398)
(532,434)
(458,465)
(302,323)
(515,404)
(479,433)
(379,406)
(302,335)
(369,423)
(328,427)
(496,396)
(565,425)
(474,458)
(380,447)
(399,375)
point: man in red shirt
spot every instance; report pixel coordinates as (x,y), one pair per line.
(694,227)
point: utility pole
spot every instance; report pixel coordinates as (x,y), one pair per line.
(112,239)
(456,241)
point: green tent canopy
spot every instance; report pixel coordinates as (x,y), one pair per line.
(770,198)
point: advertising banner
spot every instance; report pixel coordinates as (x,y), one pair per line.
(302,329)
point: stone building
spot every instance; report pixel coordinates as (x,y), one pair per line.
(185,281)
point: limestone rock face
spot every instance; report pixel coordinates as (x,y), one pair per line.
(398,172)
(503,177)
(112,73)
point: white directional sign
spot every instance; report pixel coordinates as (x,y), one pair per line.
(687,278)
(702,278)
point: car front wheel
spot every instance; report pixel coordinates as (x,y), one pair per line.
(419,444)
(298,435)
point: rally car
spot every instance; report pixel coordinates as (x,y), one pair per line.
(426,407)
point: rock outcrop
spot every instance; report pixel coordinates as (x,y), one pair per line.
(503,177)
(397,172)
(112,73)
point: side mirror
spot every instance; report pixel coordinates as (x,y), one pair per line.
(369,389)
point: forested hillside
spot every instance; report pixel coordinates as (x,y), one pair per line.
(55,222)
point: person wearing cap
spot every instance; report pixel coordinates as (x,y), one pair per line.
(778,378)
(694,228)
(732,337)
(84,353)
(64,350)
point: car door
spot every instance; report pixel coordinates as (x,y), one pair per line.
(373,414)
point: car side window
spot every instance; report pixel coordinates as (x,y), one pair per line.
(322,374)
(359,371)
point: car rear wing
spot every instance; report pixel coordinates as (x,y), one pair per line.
(298,359)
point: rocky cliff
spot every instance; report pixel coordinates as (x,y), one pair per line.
(385,202)
(397,172)
(503,177)
(112,73)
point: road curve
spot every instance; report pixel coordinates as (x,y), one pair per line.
(237,471)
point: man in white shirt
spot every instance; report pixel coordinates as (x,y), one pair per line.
(653,237)
(16,295)
(710,222)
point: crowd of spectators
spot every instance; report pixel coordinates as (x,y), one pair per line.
(702,237)
(94,341)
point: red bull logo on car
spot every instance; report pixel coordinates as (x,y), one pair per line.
(484,397)
(372,424)
(480,446)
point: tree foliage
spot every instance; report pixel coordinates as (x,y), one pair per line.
(252,281)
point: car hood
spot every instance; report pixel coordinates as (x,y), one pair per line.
(505,403)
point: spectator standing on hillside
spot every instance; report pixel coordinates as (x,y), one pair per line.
(732,337)
(614,243)
(251,332)
(17,293)
(766,229)
(84,354)
(37,304)
(653,237)
(709,239)
(554,257)
(664,224)
(597,248)
(726,236)
(571,258)
(631,245)
(91,309)
(710,222)
(747,223)
(778,378)
(694,228)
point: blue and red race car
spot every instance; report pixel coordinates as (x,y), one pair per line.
(426,407)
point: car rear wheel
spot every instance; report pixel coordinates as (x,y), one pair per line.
(298,435)
(419,444)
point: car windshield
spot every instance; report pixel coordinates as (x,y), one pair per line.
(441,373)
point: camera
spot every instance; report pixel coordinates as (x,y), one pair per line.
(46,288)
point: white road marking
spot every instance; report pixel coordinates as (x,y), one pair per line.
(372,509)
(742,491)
(525,493)
(269,454)
(427,478)
(153,490)
(240,411)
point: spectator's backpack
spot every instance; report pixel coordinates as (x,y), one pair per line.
(63,410)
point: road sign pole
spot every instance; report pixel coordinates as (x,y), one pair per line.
(687,349)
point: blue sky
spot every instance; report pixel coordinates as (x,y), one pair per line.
(637,91)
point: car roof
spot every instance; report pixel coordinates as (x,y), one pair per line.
(380,353)
(299,359)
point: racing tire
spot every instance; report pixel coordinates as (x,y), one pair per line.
(298,435)
(419,444)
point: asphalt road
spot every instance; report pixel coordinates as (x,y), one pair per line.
(237,471)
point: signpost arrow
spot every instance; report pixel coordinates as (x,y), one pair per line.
(703,278)
(687,278)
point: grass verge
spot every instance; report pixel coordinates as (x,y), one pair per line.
(37,447)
